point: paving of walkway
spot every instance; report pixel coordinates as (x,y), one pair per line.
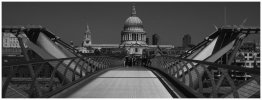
(132,82)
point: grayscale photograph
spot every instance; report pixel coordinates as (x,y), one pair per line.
(130,49)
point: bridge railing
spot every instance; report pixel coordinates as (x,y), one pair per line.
(60,77)
(65,72)
(206,79)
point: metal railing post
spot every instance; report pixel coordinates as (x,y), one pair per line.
(35,92)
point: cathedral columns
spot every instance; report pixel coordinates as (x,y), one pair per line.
(139,37)
(129,36)
(135,37)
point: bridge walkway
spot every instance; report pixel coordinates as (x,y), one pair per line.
(127,82)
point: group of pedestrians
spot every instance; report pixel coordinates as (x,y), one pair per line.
(136,61)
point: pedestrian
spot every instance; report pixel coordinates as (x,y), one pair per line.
(126,61)
(144,61)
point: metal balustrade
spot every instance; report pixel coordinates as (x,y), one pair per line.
(67,70)
(184,71)
(67,77)
(193,78)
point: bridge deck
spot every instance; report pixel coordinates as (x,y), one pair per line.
(124,83)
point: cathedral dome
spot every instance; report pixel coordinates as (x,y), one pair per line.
(133,23)
(133,32)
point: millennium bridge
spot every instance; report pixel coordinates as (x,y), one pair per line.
(75,75)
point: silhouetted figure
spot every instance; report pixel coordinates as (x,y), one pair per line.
(126,61)
(130,62)
(144,61)
(148,62)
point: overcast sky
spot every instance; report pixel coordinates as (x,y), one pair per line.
(171,20)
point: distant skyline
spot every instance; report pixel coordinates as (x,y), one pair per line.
(171,20)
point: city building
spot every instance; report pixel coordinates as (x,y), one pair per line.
(147,41)
(10,45)
(86,50)
(248,56)
(186,41)
(11,50)
(248,59)
(133,39)
(155,39)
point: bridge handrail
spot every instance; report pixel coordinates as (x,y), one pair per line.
(88,70)
(80,66)
(224,66)
(179,69)
(7,64)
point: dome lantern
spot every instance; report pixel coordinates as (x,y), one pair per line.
(133,10)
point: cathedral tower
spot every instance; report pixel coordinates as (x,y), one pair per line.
(87,39)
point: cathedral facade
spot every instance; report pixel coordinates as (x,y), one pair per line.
(133,38)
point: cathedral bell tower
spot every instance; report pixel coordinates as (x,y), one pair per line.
(87,39)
